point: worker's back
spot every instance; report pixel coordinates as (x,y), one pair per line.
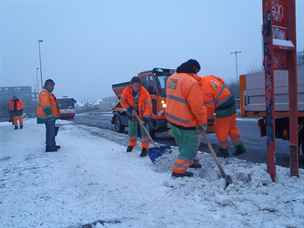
(184,101)
(215,92)
(217,96)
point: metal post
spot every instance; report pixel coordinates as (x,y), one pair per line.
(40,62)
(37,79)
(269,87)
(293,92)
(236,53)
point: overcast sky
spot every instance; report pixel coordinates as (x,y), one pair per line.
(89,45)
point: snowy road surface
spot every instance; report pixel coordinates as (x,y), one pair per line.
(93,179)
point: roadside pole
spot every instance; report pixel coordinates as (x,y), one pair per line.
(293,91)
(279,33)
(269,87)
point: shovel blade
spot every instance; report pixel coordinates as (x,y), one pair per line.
(228,181)
(156,152)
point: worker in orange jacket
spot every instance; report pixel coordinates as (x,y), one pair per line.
(186,115)
(16,107)
(47,113)
(137,101)
(219,99)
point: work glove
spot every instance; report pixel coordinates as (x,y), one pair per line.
(48,112)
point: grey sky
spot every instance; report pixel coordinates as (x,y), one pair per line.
(88,45)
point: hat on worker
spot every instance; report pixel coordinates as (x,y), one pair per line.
(49,81)
(192,66)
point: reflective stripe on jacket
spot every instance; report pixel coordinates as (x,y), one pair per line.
(47,101)
(144,103)
(185,102)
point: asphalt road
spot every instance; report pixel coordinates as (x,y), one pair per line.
(256,145)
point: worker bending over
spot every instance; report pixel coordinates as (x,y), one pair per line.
(186,115)
(137,102)
(47,113)
(16,107)
(219,99)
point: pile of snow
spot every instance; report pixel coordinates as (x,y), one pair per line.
(93,181)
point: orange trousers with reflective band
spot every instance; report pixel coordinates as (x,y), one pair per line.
(180,166)
(226,127)
(18,120)
(144,142)
(133,128)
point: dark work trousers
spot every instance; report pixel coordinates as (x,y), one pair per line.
(51,132)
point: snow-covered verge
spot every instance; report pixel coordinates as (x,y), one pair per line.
(93,179)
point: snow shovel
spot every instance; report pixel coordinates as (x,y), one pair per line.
(157,150)
(228,179)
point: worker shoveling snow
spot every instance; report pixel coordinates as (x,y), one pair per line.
(94,181)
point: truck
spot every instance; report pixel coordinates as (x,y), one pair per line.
(155,82)
(252,102)
(67,108)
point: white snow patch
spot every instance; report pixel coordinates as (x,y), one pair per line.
(93,179)
(247,119)
(283,43)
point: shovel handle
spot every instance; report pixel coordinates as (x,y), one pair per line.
(141,123)
(218,164)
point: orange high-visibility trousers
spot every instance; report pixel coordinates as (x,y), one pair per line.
(227,127)
(18,120)
(132,131)
(144,142)
(180,166)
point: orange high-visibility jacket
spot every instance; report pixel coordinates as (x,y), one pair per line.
(46,101)
(185,101)
(15,105)
(144,101)
(215,92)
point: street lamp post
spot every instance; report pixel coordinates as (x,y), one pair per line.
(40,62)
(236,54)
(37,79)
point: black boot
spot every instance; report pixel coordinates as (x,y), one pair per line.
(195,165)
(129,149)
(16,127)
(51,149)
(58,147)
(239,149)
(185,174)
(144,152)
(223,153)
(21,126)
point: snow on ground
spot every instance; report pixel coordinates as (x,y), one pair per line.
(247,119)
(93,179)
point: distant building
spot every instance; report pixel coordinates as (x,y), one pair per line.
(23,92)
